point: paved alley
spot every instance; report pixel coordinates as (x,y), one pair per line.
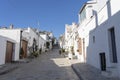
(48,66)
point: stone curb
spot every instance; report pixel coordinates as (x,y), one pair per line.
(10,67)
(7,70)
(77,73)
(92,74)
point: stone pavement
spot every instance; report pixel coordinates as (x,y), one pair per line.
(8,67)
(4,69)
(87,72)
(48,66)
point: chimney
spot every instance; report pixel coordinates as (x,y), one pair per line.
(11,26)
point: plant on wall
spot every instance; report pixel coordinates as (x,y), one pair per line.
(47,44)
(34,46)
(72,49)
(21,53)
(34,52)
(77,50)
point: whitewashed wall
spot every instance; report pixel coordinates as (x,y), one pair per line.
(3,45)
(44,36)
(108,16)
(30,35)
(42,43)
(2,50)
(13,34)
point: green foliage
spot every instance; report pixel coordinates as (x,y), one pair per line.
(47,44)
(35,54)
(63,50)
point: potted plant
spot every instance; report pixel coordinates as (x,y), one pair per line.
(77,50)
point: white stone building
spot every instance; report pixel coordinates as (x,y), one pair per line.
(99,32)
(71,40)
(48,37)
(68,31)
(62,41)
(32,36)
(13,34)
(21,43)
(34,40)
(55,41)
(7,50)
(42,43)
(51,38)
(26,40)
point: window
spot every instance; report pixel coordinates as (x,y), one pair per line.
(82,15)
(93,39)
(113,52)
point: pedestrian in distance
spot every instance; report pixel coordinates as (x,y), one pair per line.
(60,52)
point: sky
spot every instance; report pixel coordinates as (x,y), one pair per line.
(48,15)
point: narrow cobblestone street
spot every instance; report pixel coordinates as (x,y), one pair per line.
(48,66)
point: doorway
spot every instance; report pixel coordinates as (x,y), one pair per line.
(103,61)
(24,48)
(9,52)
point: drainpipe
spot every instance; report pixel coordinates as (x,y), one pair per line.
(20,42)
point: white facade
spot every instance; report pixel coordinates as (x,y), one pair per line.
(40,37)
(71,39)
(95,31)
(68,31)
(44,36)
(3,46)
(51,37)
(62,41)
(55,41)
(30,35)
(42,44)
(3,50)
(29,39)
(48,37)
(13,34)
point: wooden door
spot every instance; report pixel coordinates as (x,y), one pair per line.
(24,47)
(9,52)
(79,42)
